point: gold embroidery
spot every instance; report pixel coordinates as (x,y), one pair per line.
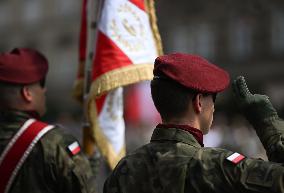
(134,27)
(120,77)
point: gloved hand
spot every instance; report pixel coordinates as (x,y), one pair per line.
(255,107)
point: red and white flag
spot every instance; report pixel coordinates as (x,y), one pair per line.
(74,148)
(126,46)
(235,158)
(127,43)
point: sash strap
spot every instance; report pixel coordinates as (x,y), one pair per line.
(18,150)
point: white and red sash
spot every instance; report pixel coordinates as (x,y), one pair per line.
(18,150)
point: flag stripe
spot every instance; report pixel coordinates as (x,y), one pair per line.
(139,3)
(76,150)
(233,156)
(108,56)
(238,159)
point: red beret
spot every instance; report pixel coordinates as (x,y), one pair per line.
(193,72)
(22,66)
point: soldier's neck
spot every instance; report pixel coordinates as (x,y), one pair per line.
(183,121)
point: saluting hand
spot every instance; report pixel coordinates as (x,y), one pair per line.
(255,107)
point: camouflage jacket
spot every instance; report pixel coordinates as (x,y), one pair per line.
(49,168)
(271,133)
(174,162)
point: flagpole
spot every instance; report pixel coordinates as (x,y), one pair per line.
(93,13)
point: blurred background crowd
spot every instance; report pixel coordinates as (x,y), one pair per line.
(245,37)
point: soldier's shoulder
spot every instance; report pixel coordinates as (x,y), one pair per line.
(59,139)
(214,152)
(136,156)
(58,135)
(63,152)
(219,156)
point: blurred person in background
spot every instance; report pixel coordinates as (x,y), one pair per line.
(184,90)
(35,156)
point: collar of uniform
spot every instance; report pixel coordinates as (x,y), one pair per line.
(33,114)
(180,133)
(16,115)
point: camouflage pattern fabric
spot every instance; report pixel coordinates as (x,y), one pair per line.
(50,167)
(271,134)
(174,162)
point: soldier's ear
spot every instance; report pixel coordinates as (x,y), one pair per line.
(197,103)
(27,94)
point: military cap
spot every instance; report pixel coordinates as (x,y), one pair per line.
(22,66)
(191,71)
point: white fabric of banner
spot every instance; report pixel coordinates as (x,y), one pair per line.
(129,28)
(111,119)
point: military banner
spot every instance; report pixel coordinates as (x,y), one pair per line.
(127,42)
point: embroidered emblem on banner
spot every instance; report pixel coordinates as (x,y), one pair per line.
(128,24)
(235,158)
(128,27)
(74,148)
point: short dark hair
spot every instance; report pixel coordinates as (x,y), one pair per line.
(9,94)
(170,98)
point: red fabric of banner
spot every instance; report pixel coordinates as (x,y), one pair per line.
(108,56)
(139,3)
(83,32)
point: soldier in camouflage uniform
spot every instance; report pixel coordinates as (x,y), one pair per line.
(51,166)
(183,89)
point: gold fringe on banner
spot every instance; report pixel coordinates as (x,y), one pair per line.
(150,7)
(121,77)
(101,141)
